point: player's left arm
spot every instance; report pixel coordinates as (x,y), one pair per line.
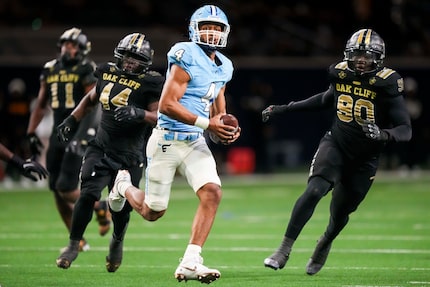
(401,130)
(397,123)
(218,108)
(219,105)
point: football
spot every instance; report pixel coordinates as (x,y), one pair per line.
(230,120)
(227,119)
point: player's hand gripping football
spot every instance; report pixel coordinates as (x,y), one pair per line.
(66,129)
(129,114)
(224,132)
(374,132)
(273,110)
(36,144)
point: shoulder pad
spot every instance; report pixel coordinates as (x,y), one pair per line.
(50,64)
(105,67)
(341,66)
(385,73)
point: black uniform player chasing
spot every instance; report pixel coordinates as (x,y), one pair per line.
(128,94)
(369,112)
(64,81)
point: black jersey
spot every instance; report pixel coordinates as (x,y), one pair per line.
(124,141)
(375,97)
(66,85)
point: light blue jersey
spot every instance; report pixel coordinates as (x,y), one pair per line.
(207,78)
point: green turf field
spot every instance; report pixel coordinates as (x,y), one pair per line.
(386,243)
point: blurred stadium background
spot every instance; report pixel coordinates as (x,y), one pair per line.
(281,50)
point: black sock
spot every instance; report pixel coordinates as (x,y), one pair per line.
(286,245)
(82,214)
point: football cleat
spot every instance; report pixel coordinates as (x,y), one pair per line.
(319,257)
(114,258)
(68,255)
(277,260)
(193,269)
(116,200)
(103,217)
(83,246)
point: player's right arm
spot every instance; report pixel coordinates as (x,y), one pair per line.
(319,101)
(40,108)
(86,105)
(173,90)
(67,129)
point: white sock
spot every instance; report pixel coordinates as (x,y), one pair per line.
(192,250)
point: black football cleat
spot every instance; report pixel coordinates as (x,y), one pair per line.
(68,255)
(319,257)
(277,260)
(114,259)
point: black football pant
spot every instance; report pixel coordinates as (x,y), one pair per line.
(344,201)
(98,172)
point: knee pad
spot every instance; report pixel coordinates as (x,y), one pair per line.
(318,187)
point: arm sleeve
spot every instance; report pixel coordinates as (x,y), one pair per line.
(401,130)
(319,101)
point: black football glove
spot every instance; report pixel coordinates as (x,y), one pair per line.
(273,110)
(36,145)
(374,132)
(67,129)
(129,114)
(28,167)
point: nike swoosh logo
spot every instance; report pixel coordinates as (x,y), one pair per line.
(191,269)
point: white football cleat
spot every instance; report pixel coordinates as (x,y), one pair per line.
(193,269)
(115,199)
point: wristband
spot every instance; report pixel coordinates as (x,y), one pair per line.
(17,161)
(202,122)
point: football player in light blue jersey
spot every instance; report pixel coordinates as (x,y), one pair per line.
(207,77)
(191,102)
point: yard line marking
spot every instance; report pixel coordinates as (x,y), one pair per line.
(228,249)
(156,266)
(372,285)
(250,236)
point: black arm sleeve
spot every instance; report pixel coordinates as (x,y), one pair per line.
(316,102)
(402,129)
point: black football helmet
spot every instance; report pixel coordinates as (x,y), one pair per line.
(75,35)
(365,52)
(133,54)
